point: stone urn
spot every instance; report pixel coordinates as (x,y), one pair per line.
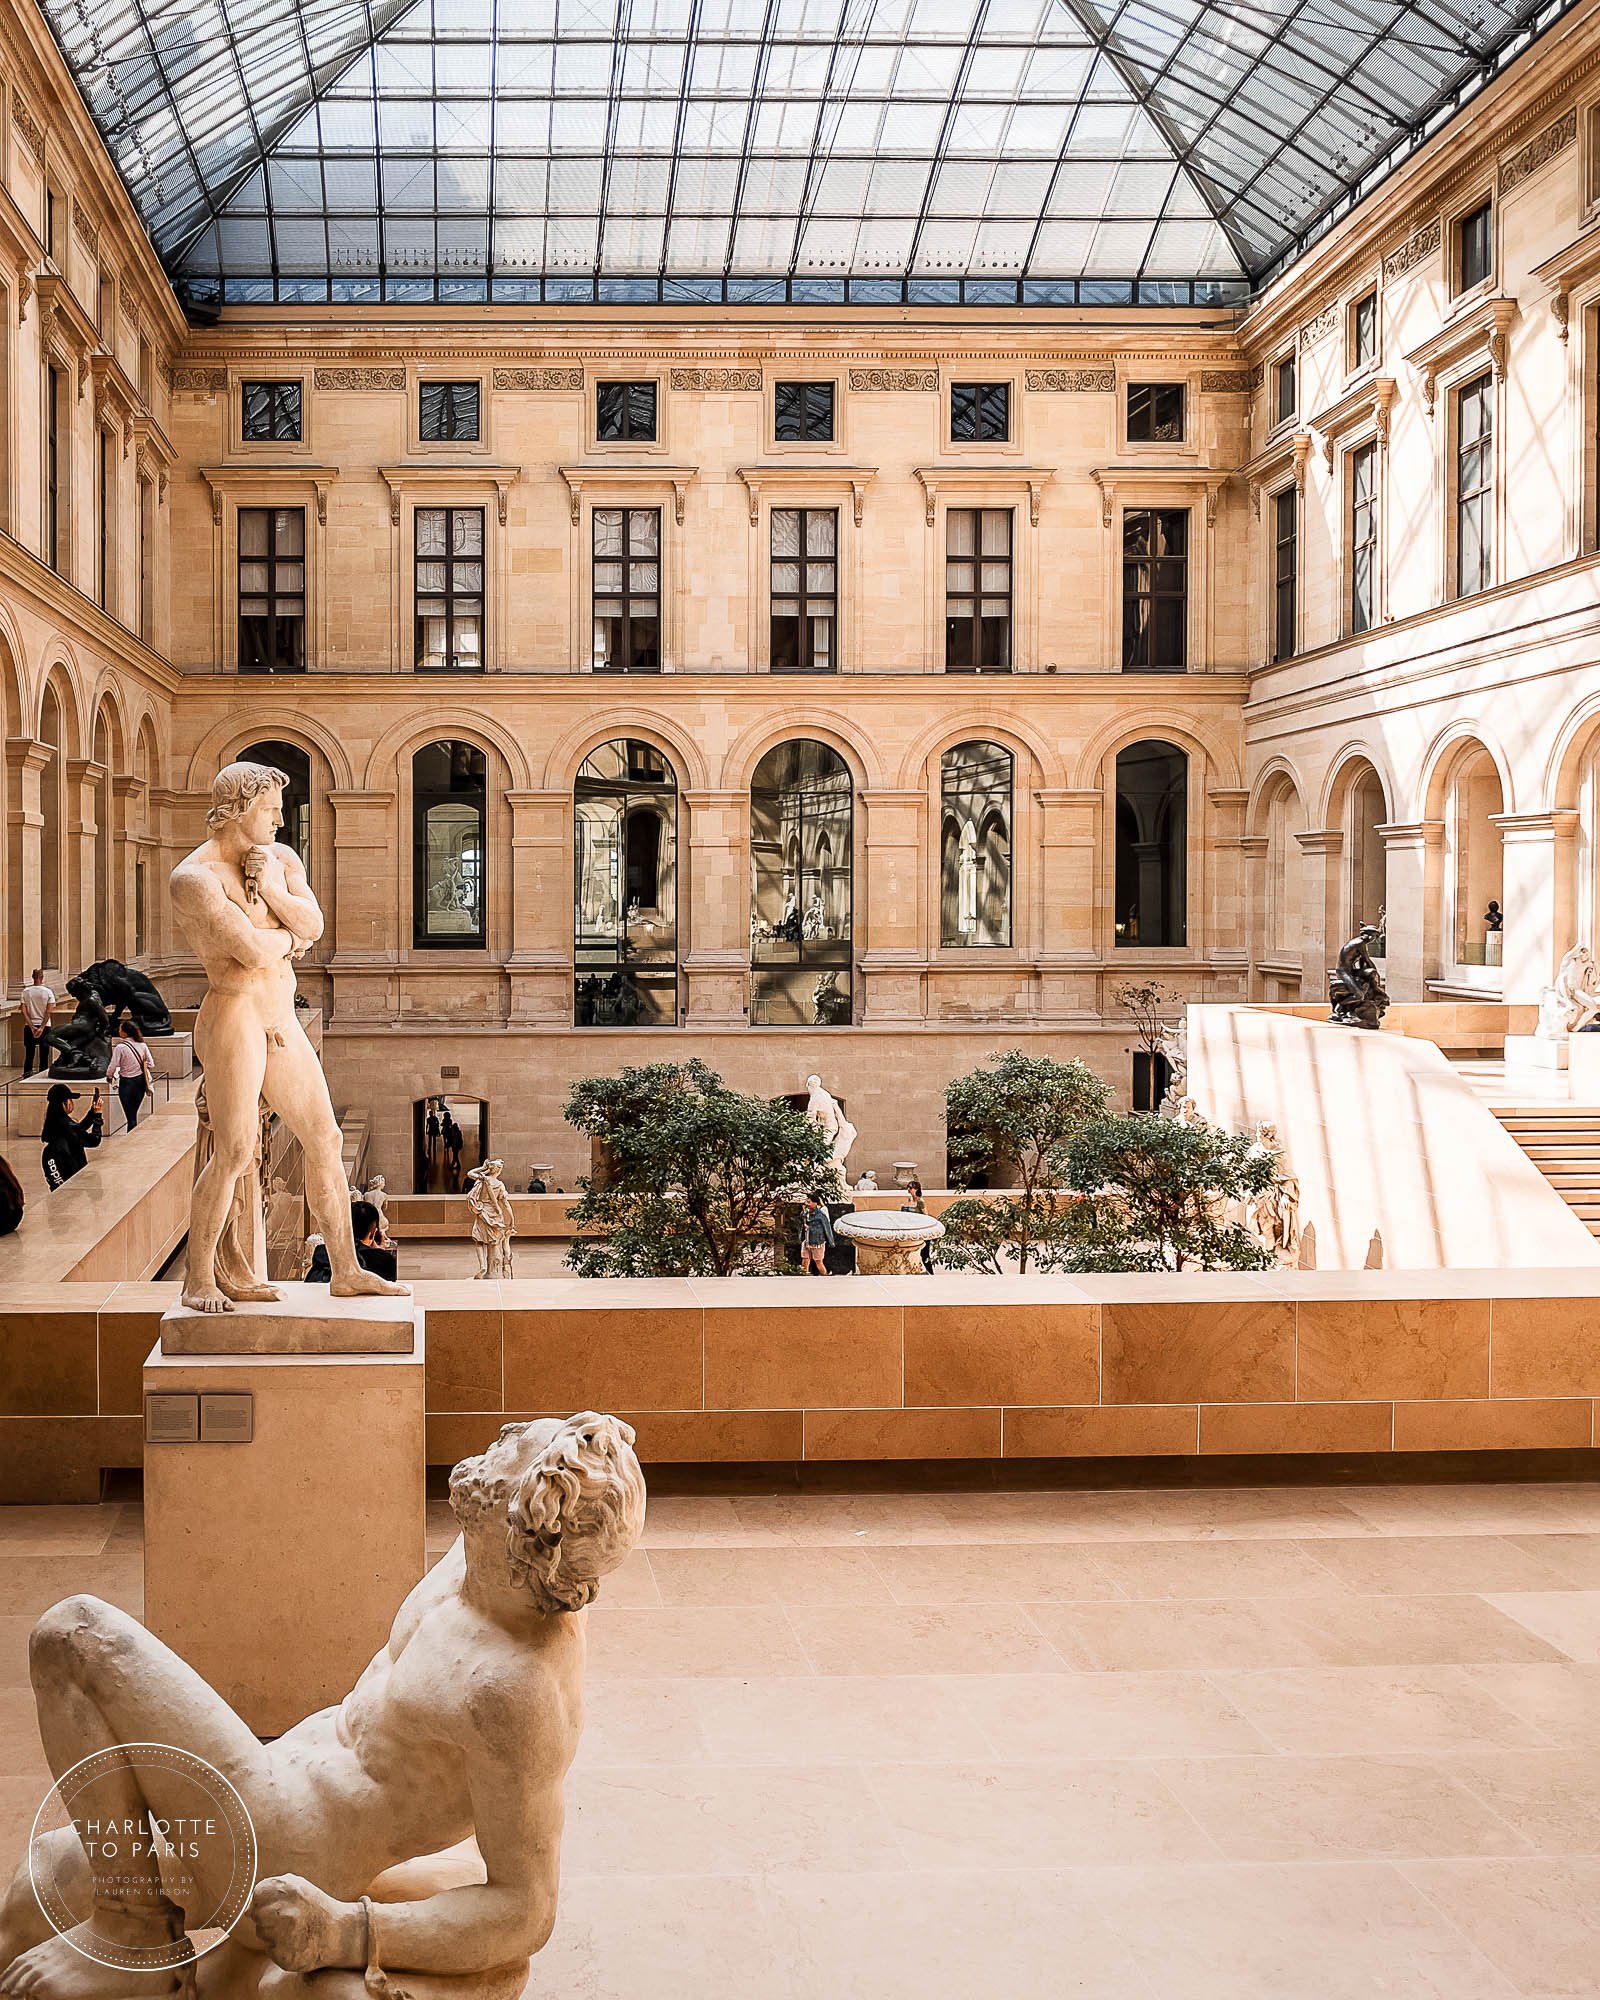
(888,1243)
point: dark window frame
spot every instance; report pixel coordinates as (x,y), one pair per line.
(422,799)
(627,595)
(1474,483)
(52,466)
(627,426)
(1473,236)
(973,619)
(1364,342)
(1169,834)
(1286,572)
(807,392)
(276,409)
(1141,636)
(1285,370)
(1362,470)
(990,404)
(455,403)
(451,593)
(278,625)
(805,650)
(1153,428)
(104,501)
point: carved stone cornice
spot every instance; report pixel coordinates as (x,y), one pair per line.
(638,478)
(1072,381)
(1368,403)
(86,226)
(1523,164)
(65,326)
(1570,267)
(984,478)
(1486,327)
(1229,381)
(1144,479)
(797,482)
(115,395)
(1288,453)
(270,482)
(27,125)
(714,380)
(19,247)
(897,381)
(151,438)
(1423,243)
(412,478)
(199,381)
(543,381)
(1319,327)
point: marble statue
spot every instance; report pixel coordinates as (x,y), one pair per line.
(824,1111)
(83,1044)
(1173,1043)
(868,1183)
(378,1194)
(1572,1003)
(121,987)
(1187,1112)
(1275,1212)
(829,1007)
(247,911)
(493,1222)
(1356,990)
(462,1727)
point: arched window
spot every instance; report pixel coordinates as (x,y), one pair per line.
(625,888)
(449,819)
(1152,842)
(1474,859)
(295,764)
(800,887)
(1364,813)
(975,845)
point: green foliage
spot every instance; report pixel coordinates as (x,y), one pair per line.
(1156,1194)
(695,1173)
(1021,1114)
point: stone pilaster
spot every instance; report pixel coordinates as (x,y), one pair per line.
(540,964)
(714,907)
(361,915)
(1413,856)
(1321,902)
(894,905)
(26,761)
(1538,887)
(1067,901)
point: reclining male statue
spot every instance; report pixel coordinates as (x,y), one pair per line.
(463,1724)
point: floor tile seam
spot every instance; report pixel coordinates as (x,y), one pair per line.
(1404,1871)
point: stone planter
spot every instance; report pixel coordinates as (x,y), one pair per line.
(888,1245)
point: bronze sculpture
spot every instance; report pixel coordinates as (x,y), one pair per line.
(121,986)
(1356,990)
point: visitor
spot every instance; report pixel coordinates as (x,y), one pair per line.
(132,1069)
(432,1129)
(452,1145)
(366,1225)
(38,1003)
(65,1139)
(12,1198)
(816,1239)
(913,1205)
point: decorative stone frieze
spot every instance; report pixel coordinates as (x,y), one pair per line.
(1326,322)
(389,379)
(198,381)
(1073,381)
(894,380)
(543,380)
(30,128)
(1527,160)
(1230,381)
(86,226)
(717,380)
(1411,253)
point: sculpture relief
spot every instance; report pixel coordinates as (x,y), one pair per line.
(462,1727)
(247,911)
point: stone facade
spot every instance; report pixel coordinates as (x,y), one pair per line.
(1444,756)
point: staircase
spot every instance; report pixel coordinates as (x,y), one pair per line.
(1563,1142)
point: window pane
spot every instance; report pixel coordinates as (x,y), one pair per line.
(608,531)
(785,531)
(788,409)
(611,409)
(644,530)
(466,531)
(289,531)
(1155,412)
(821,533)
(961,531)
(430,531)
(819,411)
(642,410)
(253,531)
(996,531)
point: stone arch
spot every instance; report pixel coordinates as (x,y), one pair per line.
(147,749)
(823,726)
(224,740)
(1576,742)
(1459,739)
(61,683)
(393,751)
(565,756)
(1219,759)
(1270,781)
(1347,767)
(1025,743)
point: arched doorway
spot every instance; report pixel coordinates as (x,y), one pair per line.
(625,888)
(1473,861)
(975,845)
(1152,838)
(801,887)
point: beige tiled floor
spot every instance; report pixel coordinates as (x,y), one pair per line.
(1265,1745)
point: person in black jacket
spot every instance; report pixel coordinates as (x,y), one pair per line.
(67,1139)
(12,1198)
(366,1226)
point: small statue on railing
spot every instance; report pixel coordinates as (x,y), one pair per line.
(1356,991)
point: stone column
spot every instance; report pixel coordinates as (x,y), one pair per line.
(1066,903)
(1217,911)
(1253,866)
(1413,876)
(889,919)
(81,861)
(1321,899)
(1538,896)
(26,761)
(714,908)
(540,964)
(368,931)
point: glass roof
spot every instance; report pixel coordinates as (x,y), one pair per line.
(985,150)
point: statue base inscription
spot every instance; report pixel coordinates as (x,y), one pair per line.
(273,1566)
(305,1320)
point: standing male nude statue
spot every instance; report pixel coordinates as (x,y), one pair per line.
(463,1724)
(247,910)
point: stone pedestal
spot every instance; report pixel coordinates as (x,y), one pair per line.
(306,1320)
(1583,1068)
(29,1097)
(173,1055)
(889,1246)
(275,1566)
(1536,1051)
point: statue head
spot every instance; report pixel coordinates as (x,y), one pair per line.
(560,1504)
(813,1083)
(251,794)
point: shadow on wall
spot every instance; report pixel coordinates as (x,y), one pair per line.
(1387,1140)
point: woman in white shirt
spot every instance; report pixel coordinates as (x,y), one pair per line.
(132,1069)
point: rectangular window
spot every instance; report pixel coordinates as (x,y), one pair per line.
(49,221)
(625,410)
(447,411)
(980,412)
(627,587)
(1155,590)
(147,501)
(1364,332)
(103,521)
(802,412)
(1363,469)
(449,568)
(106,309)
(270,412)
(1474,247)
(977,590)
(272,590)
(1474,487)
(52,467)
(805,590)
(1285,571)
(1286,394)
(1155,413)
